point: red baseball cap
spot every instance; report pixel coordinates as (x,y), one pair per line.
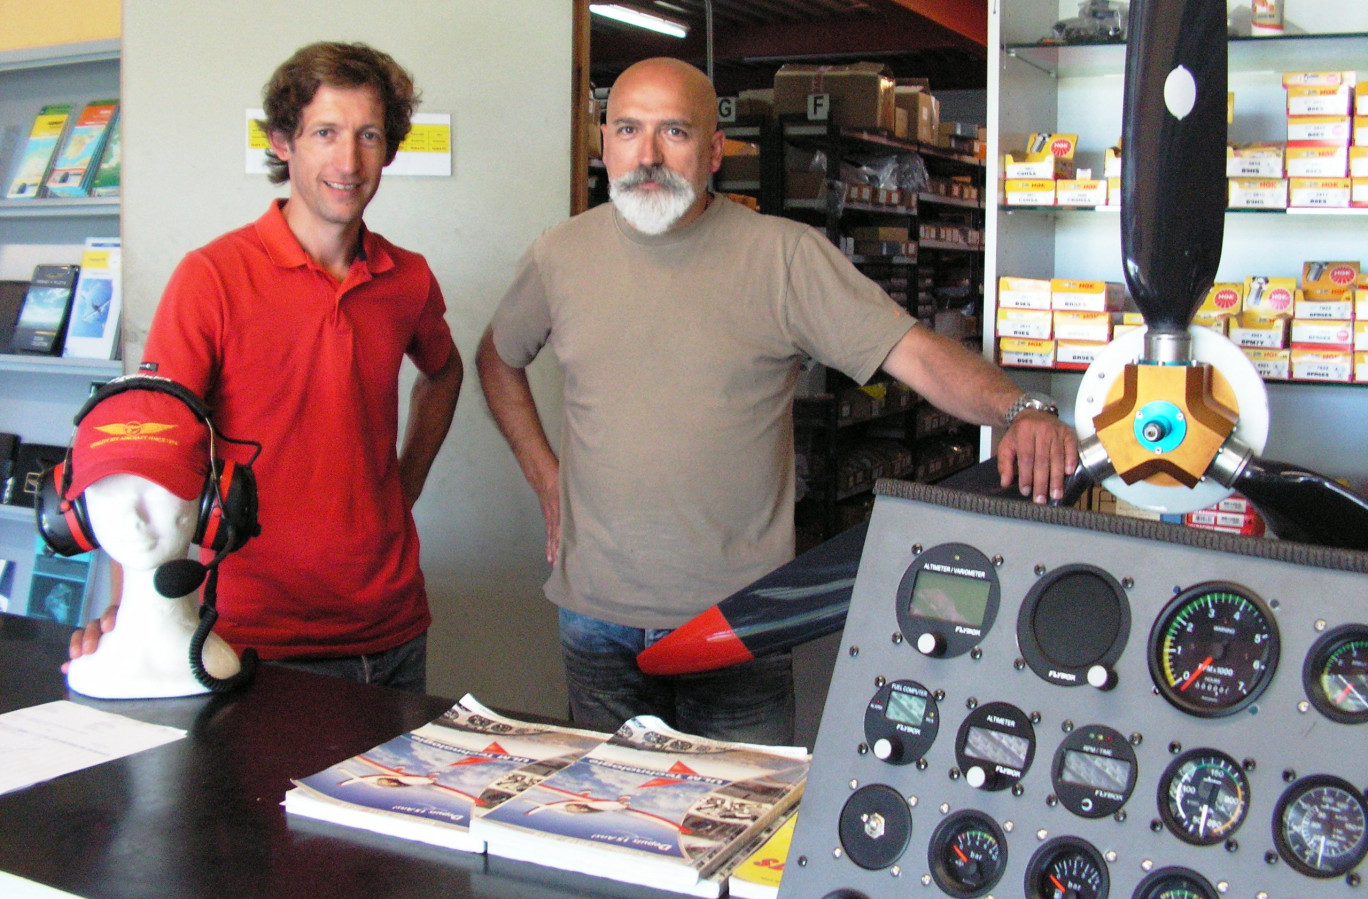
(143,432)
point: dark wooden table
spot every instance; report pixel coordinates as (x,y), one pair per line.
(201,817)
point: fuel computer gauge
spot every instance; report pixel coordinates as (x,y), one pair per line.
(901,722)
(1213,649)
(1335,674)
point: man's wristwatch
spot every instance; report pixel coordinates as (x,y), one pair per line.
(1042,402)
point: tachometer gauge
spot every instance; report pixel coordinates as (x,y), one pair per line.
(1336,674)
(1213,649)
(1067,868)
(1203,797)
(967,854)
(1320,826)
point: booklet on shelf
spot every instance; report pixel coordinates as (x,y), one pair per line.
(428,784)
(650,806)
(80,154)
(92,330)
(36,160)
(109,174)
(43,317)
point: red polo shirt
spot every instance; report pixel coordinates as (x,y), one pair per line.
(286,356)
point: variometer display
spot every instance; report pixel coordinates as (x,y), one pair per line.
(1213,649)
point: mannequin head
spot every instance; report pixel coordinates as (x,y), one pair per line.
(138,522)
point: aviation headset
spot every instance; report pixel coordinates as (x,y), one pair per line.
(228,502)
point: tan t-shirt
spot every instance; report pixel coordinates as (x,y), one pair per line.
(680,354)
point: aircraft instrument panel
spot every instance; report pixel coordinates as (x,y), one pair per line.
(1055,704)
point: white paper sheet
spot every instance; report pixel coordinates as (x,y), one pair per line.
(46,741)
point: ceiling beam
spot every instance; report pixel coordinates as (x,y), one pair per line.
(968,18)
(895,33)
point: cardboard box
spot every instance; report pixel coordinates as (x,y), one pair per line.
(1223,299)
(1080,192)
(1322,365)
(1030,324)
(1111,163)
(1331,276)
(1358,193)
(756,102)
(1319,100)
(1361,337)
(1255,161)
(1045,156)
(1361,100)
(804,185)
(1272,365)
(1358,161)
(1269,297)
(1087,296)
(1361,303)
(1322,305)
(1318,193)
(1023,293)
(1076,355)
(1032,192)
(922,110)
(1087,327)
(1317,161)
(1257,193)
(1026,353)
(1258,333)
(881,232)
(1313,334)
(861,93)
(1218,323)
(1318,79)
(1360,131)
(1330,129)
(1361,367)
(1113,191)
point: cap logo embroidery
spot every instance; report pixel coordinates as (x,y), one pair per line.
(133,430)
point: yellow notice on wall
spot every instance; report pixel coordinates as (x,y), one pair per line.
(425,152)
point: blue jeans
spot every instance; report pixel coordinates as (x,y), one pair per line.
(404,667)
(751,702)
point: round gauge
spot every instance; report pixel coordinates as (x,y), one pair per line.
(1335,674)
(995,746)
(967,854)
(1320,826)
(1213,649)
(1094,771)
(1203,797)
(1067,868)
(947,600)
(875,826)
(901,722)
(1174,883)
(1074,620)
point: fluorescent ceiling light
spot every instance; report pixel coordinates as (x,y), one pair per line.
(639,19)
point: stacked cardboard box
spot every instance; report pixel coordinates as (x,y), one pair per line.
(1232,515)
(1030,176)
(1057,323)
(1322,330)
(1320,107)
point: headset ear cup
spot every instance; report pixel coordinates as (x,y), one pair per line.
(233,504)
(63,524)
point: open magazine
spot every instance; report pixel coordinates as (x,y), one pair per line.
(650,806)
(429,783)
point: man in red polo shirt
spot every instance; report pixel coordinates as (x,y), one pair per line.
(293,330)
